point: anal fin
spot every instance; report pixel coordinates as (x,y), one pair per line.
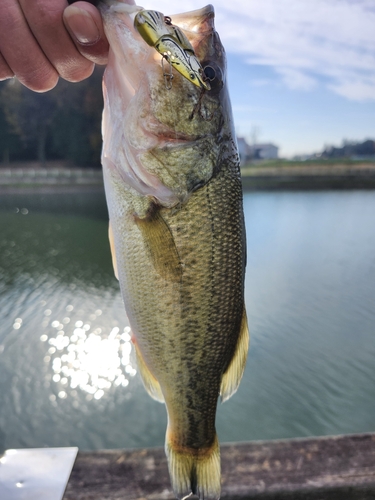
(233,374)
(152,386)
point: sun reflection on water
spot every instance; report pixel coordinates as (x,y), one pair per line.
(85,357)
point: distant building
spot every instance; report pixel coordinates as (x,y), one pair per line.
(264,151)
(244,150)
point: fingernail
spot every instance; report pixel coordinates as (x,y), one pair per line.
(81,25)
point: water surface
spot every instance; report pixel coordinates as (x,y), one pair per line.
(67,373)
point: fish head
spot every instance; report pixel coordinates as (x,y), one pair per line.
(164,132)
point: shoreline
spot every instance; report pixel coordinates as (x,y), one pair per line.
(309,177)
(48,189)
(34,179)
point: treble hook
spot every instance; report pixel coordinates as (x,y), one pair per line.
(168,77)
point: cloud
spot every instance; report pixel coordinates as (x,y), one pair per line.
(297,79)
(330,42)
(356,89)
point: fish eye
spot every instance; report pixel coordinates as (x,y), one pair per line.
(213,74)
(210,73)
(192,76)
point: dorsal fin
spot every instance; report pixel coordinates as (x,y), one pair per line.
(112,247)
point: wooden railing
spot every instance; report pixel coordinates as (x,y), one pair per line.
(329,468)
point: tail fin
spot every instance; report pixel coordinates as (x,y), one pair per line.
(194,471)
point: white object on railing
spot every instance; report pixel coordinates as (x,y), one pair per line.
(36,473)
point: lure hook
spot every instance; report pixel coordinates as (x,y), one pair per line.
(168,76)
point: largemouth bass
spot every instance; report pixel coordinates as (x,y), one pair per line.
(173,188)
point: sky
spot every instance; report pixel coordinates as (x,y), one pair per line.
(301,73)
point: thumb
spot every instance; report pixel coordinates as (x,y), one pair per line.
(85,26)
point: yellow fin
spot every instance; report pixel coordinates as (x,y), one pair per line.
(233,374)
(152,386)
(161,246)
(112,246)
(194,471)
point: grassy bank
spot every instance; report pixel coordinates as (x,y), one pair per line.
(313,175)
(333,163)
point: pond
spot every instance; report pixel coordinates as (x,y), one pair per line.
(67,372)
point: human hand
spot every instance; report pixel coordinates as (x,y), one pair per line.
(42,40)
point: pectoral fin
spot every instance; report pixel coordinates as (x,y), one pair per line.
(112,246)
(233,374)
(152,386)
(160,244)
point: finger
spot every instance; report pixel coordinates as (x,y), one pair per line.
(21,51)
(84,23)
(44,18)
(5,71)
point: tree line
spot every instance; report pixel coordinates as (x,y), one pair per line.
(62,124)
(351,149)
